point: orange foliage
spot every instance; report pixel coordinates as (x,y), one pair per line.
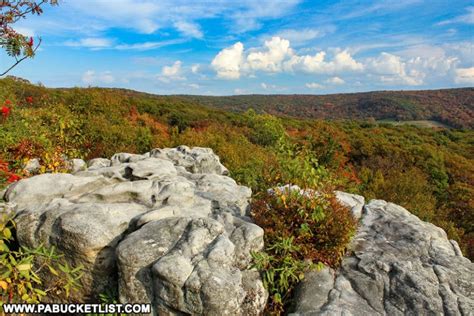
(328,237)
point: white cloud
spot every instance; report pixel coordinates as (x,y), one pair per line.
(189,29)
(335,80)
(195,68)
(267,86)
(150,16)
(464,51)
(246,15)
(387,64)
(393,70)
(314,85)
(173,72)
(240,91)
(106,43)
(148,45)
(132,14)
(26,31)
(194,85)
(228,62)
(90,42)
(270,59)
(467,18)
(277,56)
(88,77)
(342,61)
(464,75)
(91,77)
(301,36)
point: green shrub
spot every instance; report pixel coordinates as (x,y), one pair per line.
(266,129)
(302,231)
(21,268)
(298,165)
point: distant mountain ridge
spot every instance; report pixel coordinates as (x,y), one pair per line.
(453,107)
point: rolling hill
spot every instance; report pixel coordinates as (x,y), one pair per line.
(452,107)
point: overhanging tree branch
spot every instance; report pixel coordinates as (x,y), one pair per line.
(20,60)
(16,45)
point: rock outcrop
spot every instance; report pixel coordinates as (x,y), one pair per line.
(167,228)
(397,265)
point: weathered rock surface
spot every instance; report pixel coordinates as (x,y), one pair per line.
(398,265)
(32,166)
(170,228)
(167,227)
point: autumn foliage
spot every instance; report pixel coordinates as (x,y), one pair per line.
(427,170)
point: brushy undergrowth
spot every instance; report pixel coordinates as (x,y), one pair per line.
(305,226)
(21,269)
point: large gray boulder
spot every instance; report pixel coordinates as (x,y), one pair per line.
(167,228)
(396,265)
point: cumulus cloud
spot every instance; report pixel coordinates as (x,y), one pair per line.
(335,80)
(314,85)
(414,66)
(276,56)
(464,75)
(271,57)
(91,77)
(173,72)
(318,64)
(228,62)
(392,69)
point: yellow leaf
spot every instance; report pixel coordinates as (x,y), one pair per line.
(24,267)
(4,285)
(7,233)
(53,271)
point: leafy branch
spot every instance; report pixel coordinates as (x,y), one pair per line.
(17,45)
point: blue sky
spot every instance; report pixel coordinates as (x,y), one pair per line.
(242,47)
